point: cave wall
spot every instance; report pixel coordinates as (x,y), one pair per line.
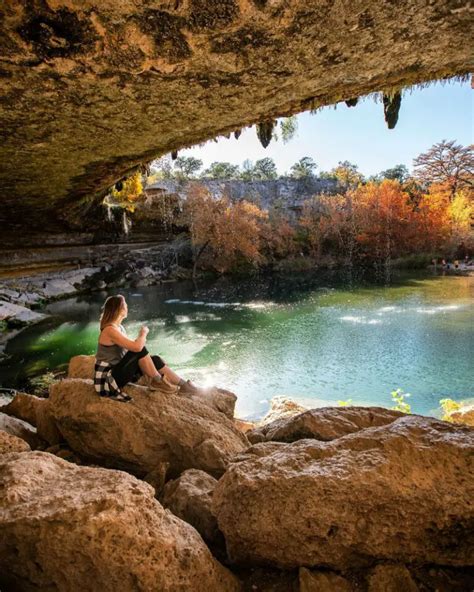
(90,89)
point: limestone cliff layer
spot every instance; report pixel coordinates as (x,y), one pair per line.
(92,89)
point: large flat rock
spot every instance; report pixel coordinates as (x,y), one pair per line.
(326,423)
(82,366)
(401,492)
(70,528)
(152,429)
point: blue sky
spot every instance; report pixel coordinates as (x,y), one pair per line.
(359,134)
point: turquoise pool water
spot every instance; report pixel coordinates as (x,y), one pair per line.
(315,339)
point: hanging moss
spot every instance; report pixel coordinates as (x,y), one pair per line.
(352,102)
(265,132)
(391,107)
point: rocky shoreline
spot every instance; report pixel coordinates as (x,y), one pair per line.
(22,298)
(172,493)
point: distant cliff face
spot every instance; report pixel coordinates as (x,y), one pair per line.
(90,90)
(287,194)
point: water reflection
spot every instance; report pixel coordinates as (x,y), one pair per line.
(319,339)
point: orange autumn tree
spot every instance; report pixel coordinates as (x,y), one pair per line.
(384,220)
(278,238)
(228,233)
(326,221)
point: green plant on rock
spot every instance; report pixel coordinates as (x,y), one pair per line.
(448,406)
(347,403)
(398,397)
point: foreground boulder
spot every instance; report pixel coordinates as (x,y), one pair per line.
(401,492)
(326,423)
(140,435)
(72,528)
(217,398)
(10,443)
(190,498)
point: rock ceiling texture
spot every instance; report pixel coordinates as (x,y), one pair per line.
(92,88)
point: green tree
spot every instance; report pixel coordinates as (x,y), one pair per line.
(347,174)
(186,167)
(397,173)
(288,128)
(221,170)
(304,168)
(265,169)
(247,170)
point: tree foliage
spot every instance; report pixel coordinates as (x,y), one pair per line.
(304,168)
(398,173)
(231,232)
(347,174)
(288,128)
(186,167)
(131,190)
(222,170)
(446,162)
(264,170)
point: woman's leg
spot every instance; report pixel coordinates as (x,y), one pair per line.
(126,370)
(148,367)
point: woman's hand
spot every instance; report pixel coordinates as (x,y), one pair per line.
(144,331)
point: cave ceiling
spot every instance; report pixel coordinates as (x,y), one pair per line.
(91,89)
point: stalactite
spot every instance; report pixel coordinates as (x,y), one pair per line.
(265,131)
(174,154)
(352,102)
(391,107)
(119,186)
(237,134)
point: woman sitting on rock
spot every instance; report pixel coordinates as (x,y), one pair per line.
(120,360)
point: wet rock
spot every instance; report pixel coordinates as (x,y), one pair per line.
(400,492)
(322,581)
(56,288)
(66,527)
(326,423)
(391,578)
(151,429)
(20,429)
(10,443)
(190,497)
(18,316)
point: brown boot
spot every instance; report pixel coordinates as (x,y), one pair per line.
(163,386)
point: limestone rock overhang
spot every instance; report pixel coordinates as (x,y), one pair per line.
(90,89)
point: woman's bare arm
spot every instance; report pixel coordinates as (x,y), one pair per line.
(116,337)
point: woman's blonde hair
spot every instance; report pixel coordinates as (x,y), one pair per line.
(111,310)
